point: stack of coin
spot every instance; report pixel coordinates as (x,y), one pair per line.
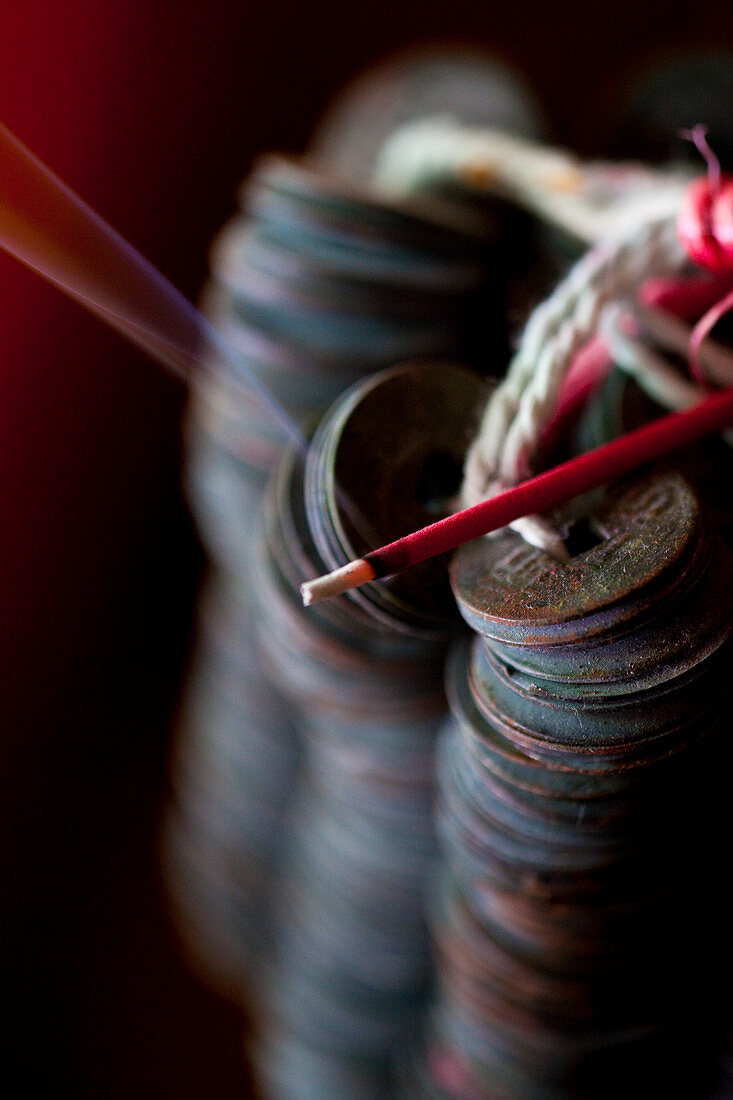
(579,927)
(321,283)
(315,283)
(365,676)
(313,286)
(235,756)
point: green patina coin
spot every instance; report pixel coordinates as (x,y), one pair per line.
(640,536)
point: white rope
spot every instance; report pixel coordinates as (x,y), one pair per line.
(654,374)
(626,212)
(590,201)
(523,405)
(674,334)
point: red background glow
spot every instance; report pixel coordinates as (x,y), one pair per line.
(153,110)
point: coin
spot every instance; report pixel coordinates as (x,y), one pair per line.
(573,875)
(470,86)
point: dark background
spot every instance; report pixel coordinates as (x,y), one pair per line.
(153,111)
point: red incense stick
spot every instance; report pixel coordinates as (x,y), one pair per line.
(538,494)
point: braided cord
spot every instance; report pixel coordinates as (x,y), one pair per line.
(626,213)
(524,403)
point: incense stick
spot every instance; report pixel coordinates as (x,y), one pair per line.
(538,494)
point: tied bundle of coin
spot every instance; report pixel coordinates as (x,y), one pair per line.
(580,931)
(315,283)
(351,955)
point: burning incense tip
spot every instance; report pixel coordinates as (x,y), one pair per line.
(351,575)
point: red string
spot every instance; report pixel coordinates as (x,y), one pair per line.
(705,226)
(702,329)
(686,298)
(589,369)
